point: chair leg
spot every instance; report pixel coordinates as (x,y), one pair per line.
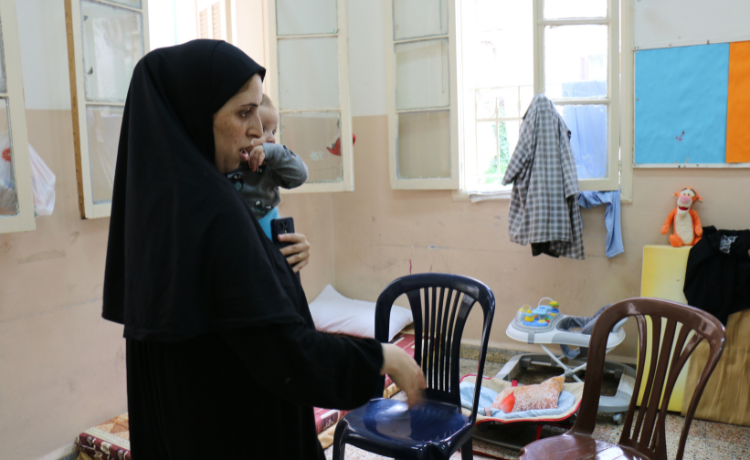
(339,447)
(467,452)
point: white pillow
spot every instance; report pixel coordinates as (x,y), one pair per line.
(332,312)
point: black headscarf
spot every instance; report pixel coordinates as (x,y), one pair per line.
(185,255)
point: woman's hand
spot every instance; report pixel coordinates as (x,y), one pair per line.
(298,253)
(404,372)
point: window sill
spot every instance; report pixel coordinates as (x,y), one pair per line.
(475,197)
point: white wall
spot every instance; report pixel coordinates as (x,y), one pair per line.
(367,57)
(44,54)
(664,23)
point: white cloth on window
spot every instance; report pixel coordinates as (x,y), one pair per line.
(544,202)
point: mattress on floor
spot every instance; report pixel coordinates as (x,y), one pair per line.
(108,441)
(111,439)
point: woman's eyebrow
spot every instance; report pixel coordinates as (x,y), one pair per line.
(252,104)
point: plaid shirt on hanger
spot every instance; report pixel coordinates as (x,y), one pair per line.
(544,204)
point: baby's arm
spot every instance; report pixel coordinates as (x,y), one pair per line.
(287,169)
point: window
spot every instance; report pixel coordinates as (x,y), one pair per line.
(16,200)
(498,84)
(423,101)
(106,39)
(577,65)
(215,20)
(566,49)
(308,80)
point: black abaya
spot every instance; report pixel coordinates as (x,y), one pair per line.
(244,393)
(223,359)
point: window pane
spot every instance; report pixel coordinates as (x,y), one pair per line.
(422,78)
(8,198)
(104,137)
(3,83)
(486,152)
(565,9)
(497,43)
(575,61)
(112,46)
(503,102)
(308,74)
(495,144)
(306,17)
(588,138)
(314,137)
(419,18)
(527,94)
(423,145)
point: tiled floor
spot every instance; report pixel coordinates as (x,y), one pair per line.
(707,440)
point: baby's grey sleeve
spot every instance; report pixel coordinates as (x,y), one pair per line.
(287,169)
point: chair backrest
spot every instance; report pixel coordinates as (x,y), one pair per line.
(667,358)
(440,304)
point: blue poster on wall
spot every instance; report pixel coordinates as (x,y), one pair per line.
(681,104)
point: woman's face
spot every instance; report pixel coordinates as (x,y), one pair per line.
(236,124)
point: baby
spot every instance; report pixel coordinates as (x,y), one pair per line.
(269,167)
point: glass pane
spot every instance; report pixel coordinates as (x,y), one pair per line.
(497,43)
(422,78)
(3,83)
(502,102)
(527,94)
(575,61)
(588,138)
(308,74)
(419,18)
(104,137)
(112,46)
(130,3)
(495,144)
(486,151)
(313,137)
(306,17)
(8,198)
(565,9)
(423,145)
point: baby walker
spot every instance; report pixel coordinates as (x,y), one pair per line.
(546,325)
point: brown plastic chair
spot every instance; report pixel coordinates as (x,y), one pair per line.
(647,439)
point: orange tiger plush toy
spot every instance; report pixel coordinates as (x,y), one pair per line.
(687,225)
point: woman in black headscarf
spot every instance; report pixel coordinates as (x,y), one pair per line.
(222,355)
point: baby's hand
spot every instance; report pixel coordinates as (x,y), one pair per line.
(257,157)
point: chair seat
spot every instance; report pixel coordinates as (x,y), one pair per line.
(575,447)
(385,425)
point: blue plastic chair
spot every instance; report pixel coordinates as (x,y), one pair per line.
(440,304)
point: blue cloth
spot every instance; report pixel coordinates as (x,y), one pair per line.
(265,221)
(588,199)
(487,397)
(588,128)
